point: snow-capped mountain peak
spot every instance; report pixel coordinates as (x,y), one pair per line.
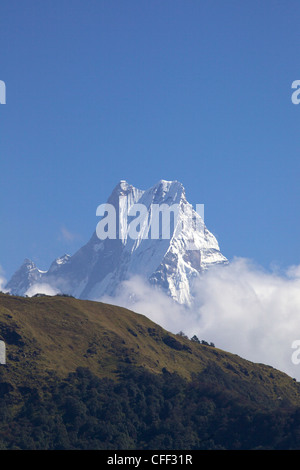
(58,263)
(27,275)
(155,234)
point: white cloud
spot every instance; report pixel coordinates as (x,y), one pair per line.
(250,312)
(138,295)
(240,307)
(3,281)
(41,288)
(67,235)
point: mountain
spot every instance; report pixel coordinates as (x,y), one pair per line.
(140,245)
(61,333)
(87,375)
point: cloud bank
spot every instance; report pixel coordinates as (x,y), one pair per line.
(3,281)
(240,307)
(42,288)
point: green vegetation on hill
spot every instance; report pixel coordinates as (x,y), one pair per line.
(87,375)
(143,410)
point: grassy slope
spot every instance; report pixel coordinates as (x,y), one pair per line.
(59,334)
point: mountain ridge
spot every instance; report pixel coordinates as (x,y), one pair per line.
(58,334)
(86,375)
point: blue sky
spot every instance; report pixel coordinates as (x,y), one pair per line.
(190,90)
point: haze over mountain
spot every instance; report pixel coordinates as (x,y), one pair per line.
(171,262)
